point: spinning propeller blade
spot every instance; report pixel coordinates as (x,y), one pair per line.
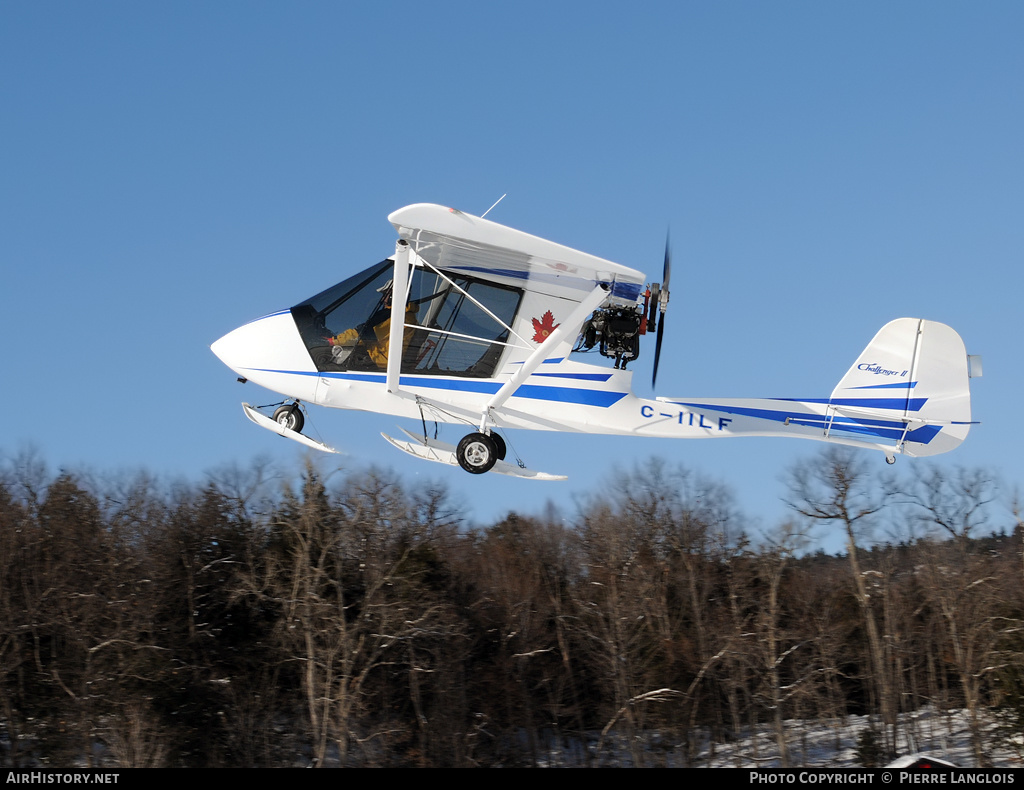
(657,350)
(666,269)
(666,274)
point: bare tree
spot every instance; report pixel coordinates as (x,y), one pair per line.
(777,646)
(652,545)
(963,587)
(836,487)
(954,502)
(348,578)
(15,562)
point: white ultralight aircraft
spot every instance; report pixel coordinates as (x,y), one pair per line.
(491,319)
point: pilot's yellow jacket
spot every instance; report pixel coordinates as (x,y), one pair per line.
(377,350)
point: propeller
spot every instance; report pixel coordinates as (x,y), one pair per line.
(666,274)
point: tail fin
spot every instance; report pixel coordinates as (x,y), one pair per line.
(909,386)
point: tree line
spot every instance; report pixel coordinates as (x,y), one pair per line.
(260,619)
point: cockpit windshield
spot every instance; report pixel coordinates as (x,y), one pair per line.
(447,330)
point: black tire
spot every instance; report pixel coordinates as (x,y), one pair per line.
(499,446)
(290,417)
(476,453)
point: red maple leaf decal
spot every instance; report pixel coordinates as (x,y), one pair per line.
(544,327)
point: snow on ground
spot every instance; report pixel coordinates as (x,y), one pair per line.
(945,735)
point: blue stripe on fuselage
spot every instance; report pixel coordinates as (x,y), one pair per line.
(578,376)
(264,317)
(586,397)
(884,429)
(898,385)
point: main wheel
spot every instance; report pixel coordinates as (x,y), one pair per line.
(290,417)
(476,453)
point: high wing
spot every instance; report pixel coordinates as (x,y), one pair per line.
(559,287)
(450,239)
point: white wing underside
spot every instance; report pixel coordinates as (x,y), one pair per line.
(447,238)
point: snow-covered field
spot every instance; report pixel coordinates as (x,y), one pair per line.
(943,735)
(811,744)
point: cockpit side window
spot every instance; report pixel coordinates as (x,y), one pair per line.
(458,337)
(342,307)
(348,326)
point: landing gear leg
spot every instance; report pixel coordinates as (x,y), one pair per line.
(496,444)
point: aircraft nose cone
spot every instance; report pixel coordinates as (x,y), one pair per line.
(268,345)
(233,347)
(222,348)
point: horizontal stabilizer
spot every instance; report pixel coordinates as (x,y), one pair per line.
(442,453)
(907,393)
(264,421)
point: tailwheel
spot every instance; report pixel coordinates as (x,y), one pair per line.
(290,417)
(477,453)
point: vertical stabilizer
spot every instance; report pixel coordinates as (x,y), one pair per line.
(913,373)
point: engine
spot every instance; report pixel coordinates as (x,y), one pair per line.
(615,331)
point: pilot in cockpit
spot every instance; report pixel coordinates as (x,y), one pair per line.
(370,339)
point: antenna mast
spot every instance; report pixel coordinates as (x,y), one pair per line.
(496,202)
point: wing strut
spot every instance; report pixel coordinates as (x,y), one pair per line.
(466,294)
(399,296)
(590,303)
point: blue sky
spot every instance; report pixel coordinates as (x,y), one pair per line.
(170,171)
